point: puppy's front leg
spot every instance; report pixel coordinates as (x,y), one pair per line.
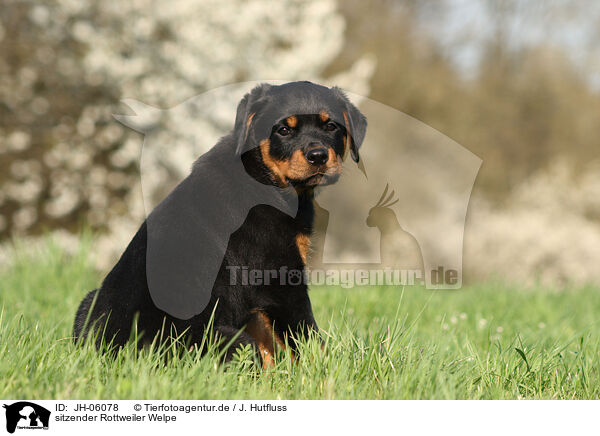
(295,320)
(260,327)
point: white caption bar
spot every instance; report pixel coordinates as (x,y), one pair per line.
(72,417)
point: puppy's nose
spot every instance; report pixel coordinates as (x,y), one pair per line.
(317,156)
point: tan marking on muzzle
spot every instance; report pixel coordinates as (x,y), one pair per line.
(296,167)
(333,162)
(277,168)
(299,168)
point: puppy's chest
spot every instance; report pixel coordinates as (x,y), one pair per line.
(270,238)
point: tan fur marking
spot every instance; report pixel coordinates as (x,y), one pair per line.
(324,115)
(299,168)
(278,169)
(333,163)
(296,167)
(332,158)
(292,121)
(260,328)
(303,243)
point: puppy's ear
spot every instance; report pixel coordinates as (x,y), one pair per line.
(356,124)
(246,114)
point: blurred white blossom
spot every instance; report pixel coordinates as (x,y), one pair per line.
(68,64)
(547,232)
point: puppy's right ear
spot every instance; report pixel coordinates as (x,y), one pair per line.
(246,115)
(356,123)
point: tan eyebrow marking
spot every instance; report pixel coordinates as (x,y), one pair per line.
(292,121)
(324,115)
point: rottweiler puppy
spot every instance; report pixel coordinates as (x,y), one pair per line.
(290,138)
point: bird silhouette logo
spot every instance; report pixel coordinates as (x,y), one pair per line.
(398,248)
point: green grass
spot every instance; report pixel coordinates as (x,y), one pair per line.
(483,342)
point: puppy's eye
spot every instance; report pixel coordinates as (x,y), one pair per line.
(330,126)
(284,131)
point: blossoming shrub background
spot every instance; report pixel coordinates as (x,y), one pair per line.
(64,160)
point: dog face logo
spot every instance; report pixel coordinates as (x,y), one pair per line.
(26,415)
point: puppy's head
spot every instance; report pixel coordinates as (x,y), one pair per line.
(303,131)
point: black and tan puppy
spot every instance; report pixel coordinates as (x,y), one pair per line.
(287,139)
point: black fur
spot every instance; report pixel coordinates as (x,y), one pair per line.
(266,240)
